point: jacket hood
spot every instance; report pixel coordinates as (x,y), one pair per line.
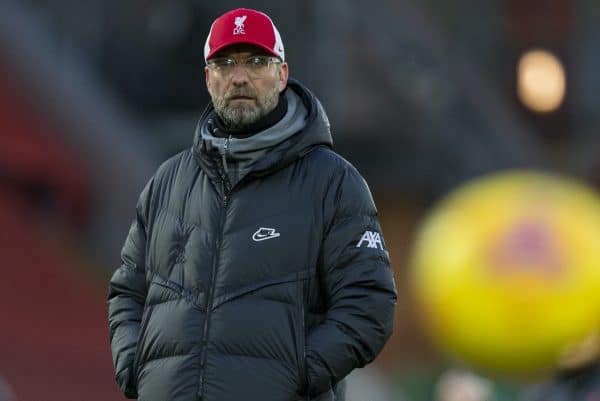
(316,132)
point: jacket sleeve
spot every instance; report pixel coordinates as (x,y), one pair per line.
(126,298)
(358,286)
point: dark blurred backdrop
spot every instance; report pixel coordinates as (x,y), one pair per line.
(94,94)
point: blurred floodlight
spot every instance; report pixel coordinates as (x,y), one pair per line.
(541,81)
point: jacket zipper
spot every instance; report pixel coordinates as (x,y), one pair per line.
(306,377)
(224,153)
(302,338)
(211,289)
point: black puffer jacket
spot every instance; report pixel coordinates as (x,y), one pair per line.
(275,288)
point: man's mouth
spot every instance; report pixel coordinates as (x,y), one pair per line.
(241,98)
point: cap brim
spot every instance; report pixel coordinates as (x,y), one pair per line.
(242,42)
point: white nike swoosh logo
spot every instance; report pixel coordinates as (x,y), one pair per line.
(264,234)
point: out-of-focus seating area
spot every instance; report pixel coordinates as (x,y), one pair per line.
(423,96)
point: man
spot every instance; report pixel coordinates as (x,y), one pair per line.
(256,269)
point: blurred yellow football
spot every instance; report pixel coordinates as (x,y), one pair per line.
(506,272)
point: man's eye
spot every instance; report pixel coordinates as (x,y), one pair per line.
(224,63)
(256,61)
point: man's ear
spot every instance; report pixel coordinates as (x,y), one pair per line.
(283,76)
(207,79)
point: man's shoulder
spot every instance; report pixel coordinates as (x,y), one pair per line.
(324,156)
(183,159)
(326,159)
(344,181)
(172,170)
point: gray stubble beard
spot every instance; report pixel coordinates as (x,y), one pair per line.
(242,116)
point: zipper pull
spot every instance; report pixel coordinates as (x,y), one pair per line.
(224,154)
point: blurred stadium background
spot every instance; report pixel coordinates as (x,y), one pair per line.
(422,95)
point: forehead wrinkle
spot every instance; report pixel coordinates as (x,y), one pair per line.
(241,50)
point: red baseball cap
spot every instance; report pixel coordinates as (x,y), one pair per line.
(244,25)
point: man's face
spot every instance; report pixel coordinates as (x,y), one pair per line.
(243,94)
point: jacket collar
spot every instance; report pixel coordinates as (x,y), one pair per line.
(315,133)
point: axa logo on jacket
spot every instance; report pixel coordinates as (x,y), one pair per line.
(371,239)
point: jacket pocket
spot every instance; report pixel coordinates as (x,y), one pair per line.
(138,349)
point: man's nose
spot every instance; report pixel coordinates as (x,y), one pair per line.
(239,76)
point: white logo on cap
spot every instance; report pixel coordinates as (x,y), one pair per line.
(239,25)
